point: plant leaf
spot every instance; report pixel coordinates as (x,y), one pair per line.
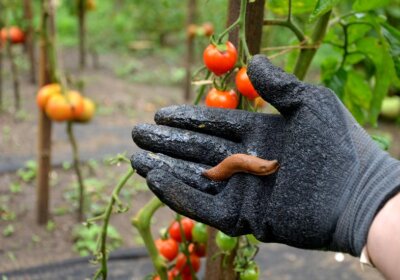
(366,5)
(322,7)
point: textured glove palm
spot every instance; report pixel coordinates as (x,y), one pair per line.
(332,179)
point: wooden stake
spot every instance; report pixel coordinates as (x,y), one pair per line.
(191,19)
(30,39)
(44,137)
(254,23)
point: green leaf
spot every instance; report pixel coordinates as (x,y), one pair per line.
(357,31)
(337,82)
(280,7)
(322,7)
(366,5)
(377,51)
(358,90)
(392,35)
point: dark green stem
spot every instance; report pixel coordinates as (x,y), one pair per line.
(345,44)
(75,154)
(307,54)
(103,271)
(142,222)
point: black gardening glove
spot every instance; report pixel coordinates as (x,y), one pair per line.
(332,179)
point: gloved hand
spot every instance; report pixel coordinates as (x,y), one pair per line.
(332,179)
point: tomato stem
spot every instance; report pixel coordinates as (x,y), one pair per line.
(106,216)
(202,89)
(142,222)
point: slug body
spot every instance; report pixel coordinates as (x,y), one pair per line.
(241,163)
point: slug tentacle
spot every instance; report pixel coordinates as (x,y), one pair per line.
(241,163)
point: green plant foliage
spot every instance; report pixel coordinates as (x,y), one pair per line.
(28,172)
(383,141)
(322,7)
(85,238)
(362,75)
(366,5)
(280,7)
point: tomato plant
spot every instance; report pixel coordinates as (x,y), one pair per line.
(222,99)
(220,59)
(244,84)
(198,249)
(187,226)
(168,248)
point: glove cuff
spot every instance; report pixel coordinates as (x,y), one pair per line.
(374,187)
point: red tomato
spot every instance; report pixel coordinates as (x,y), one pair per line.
(244,85)
(198,249)
(222,99)
(220,62)
(168,248)
(183,266)
(13,33)
(187,225)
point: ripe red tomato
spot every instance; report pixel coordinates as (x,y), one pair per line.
(13,33)
(222,99)
(220,62)
(244,85)
(187,226)
(183,266)
(168,248)
(198,249)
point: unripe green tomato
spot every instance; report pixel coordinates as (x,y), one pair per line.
(199,233)
(225,242)
(250,273)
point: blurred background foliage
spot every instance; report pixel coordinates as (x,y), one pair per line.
(358,59)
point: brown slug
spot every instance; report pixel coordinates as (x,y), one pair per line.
(241,163)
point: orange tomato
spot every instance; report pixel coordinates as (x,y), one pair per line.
(59,109)
(45,93)
(222,99)
(244,85)
(89,109)
(208,29)
(12,33)
(191,30)
(75,100)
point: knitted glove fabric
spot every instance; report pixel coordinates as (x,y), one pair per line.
(332,179)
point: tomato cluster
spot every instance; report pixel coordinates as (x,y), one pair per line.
(172,247)
(12,34)
(71,106)
(206,29)
(221,60)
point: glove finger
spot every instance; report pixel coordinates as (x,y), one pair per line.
(229,124)
(190,173)
(192,203)
(282,90)
(183,144)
